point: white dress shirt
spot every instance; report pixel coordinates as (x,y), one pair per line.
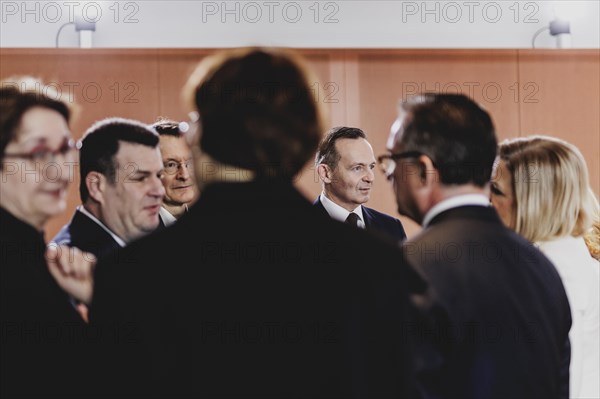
(455,202)
(166,217)
(338,213)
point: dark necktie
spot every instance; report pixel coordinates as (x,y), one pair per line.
(352,219)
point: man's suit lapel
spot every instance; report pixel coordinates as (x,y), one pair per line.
(370,220)
(88,235)
(320,206)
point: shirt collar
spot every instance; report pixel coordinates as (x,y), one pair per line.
(455,202)
(166,216)
(338,213)
(115,237)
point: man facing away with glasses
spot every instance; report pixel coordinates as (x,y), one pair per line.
(177,176)
(120,188)
(345,164)
(496,320)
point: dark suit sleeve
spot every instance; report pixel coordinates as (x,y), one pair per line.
(401,232)
(122,358)
(564,369)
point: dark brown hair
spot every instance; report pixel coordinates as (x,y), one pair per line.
(455,132)
(257,110)
(17,96)
(101,143)
(327,153)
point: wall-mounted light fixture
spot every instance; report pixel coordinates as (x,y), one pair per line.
(85,29)
(564,12)
(559,28)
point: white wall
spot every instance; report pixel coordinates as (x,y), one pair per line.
(337,24)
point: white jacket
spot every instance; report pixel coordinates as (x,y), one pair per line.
(580,274)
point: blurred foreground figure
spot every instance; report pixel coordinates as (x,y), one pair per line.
(255,302)
(41,333)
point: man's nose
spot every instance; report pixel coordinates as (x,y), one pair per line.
(157,190)
(369,176)
(183,172)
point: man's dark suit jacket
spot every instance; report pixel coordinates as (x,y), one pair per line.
(84,233)
(42,350)
(376,222)
(245,298)
(498,311)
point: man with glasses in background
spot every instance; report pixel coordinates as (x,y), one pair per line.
(177,177)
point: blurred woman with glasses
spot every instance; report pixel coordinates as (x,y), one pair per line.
(541,190)
(41,352)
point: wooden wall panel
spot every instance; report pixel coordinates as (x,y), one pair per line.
(389,77)
(330,93)
(175,67)
(355,87)
(101,83)
(567,102)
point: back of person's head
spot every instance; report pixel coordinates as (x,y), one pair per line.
(327,152)
(17,96)
(257,110)
(100,144)
(552,195)
(455,132)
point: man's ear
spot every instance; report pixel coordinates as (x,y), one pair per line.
(429,173)
(96,185)
(325,173)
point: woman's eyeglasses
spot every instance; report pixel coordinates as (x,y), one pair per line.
(46,155)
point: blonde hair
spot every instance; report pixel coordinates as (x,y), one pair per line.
(551,188)
(592,239)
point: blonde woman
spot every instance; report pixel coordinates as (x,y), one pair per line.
(541,190)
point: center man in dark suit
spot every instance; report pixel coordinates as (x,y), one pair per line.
(345,164)
(496,319)
(120,188)
(255,302)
